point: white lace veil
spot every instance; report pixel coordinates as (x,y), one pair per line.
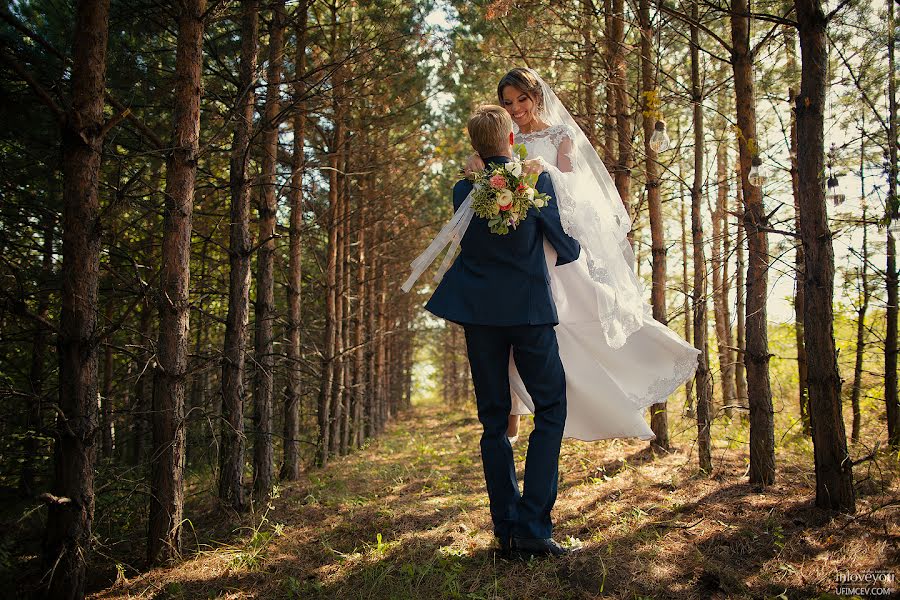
(591,211)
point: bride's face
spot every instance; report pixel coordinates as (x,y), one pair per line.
(519,105)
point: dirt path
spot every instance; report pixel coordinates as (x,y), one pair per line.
(407,517)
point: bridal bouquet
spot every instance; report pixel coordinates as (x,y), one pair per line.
(504,194)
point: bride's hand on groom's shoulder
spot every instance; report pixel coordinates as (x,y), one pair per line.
(473,164)
(534,165)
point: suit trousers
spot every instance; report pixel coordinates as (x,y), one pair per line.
(536,354)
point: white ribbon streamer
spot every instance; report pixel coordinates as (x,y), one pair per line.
(451,233)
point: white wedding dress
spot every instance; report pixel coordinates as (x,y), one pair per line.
(607,389)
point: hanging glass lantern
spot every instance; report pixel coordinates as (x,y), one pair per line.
(659,141)
(757,175)
(832,193)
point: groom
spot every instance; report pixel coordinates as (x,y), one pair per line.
(498,289)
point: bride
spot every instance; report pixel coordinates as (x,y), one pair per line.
(618,359)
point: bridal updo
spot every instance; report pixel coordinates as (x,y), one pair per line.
(525,81)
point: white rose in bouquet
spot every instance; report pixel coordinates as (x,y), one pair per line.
(514,167)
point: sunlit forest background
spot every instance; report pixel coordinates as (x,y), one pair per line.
(207,208)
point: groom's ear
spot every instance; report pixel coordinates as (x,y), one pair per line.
(512,138)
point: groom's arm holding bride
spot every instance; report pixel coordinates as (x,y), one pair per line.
(567,248)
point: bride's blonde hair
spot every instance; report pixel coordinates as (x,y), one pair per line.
(524,81)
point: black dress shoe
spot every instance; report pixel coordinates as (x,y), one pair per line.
(527,547)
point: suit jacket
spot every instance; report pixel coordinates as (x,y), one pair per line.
(502,279)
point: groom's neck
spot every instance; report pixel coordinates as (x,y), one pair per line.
(506,154)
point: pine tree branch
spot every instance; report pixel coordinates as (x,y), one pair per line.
(36,87)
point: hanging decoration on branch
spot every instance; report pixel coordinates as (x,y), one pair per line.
(659,141)
(757,175)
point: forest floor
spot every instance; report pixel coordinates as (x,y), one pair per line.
(407,517)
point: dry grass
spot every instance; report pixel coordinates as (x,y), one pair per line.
(406,517)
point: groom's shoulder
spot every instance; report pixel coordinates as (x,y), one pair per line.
(460,191)
(463,185)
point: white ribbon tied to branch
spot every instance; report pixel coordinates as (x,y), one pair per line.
(451,233)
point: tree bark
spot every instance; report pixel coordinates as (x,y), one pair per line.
(799,287)
(702,377)
(756,356)
(331,300)
(686,305)
(892,403)
(609,117)
(659,421)
(231,462)
(740,376)
(619,82)
(290,468)
(720,282)
(586,81)
(68,535)
(856,390)
(834,471)
(167,465)
(264,347)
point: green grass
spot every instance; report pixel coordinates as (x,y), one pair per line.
(407,517)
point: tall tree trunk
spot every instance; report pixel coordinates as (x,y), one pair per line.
(704,383)
(659,421)
(231,461)
(328,356)
(586,81)
(619,83)
(892,403)
(337,383)
(856,390)
(264,347)
(609,117)
(756,356)
(359,366)
(371,331)
(720,281)
(834,470)
(799,287)
(167,465)
(686,305)
(290,468)
(345,270)
(69,518)
(740,377)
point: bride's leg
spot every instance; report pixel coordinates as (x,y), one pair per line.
(512,428)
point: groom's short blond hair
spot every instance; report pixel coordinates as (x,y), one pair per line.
(489,128)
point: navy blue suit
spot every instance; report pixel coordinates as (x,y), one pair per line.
(498,289)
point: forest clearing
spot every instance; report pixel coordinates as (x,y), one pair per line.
(214,383)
